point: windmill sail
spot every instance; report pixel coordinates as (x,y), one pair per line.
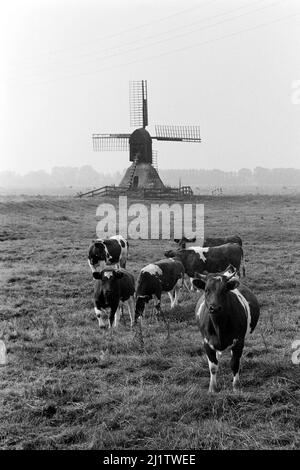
(138,103)
(178,133)
(111,142)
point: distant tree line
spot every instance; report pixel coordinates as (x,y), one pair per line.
(59,177)
(258,177)
(87,177)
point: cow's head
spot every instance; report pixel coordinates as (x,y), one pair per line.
(141,301)
(98,254)
(181,242)
(170,253)
(215,288)
(109,279)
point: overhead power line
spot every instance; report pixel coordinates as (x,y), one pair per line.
(119,33)
(171,38)
(174,51)
(163,33)
(140,47)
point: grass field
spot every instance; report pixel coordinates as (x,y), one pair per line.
(68,385)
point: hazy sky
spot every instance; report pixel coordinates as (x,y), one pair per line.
(226,65)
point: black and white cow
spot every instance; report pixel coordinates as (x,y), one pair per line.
(209,241)
(112,251)
(213,259)
(112,287)
(156,278)
(226,313)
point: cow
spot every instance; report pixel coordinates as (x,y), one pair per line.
(209,241)
(226,313)
(156,278)
(112,287)
(112,251)
(210,259)
(185,243)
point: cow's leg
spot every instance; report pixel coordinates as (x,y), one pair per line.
(213,367)
(153,314)
(157,300)
(170,294)
(157,305)
(236,352)
(131,310)
(122,315)
(192,285)
(114,317)
(176,292)
(117,317)
(184,283)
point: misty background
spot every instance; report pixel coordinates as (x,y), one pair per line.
(230,67)
(70,180)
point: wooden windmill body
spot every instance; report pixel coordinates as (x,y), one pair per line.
(142,173)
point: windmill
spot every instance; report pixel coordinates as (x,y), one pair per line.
(142,172)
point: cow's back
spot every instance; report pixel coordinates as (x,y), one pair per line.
(147,284)
(172,271)
(217,241)
(219,257)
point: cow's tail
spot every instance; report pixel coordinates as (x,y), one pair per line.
(243,264)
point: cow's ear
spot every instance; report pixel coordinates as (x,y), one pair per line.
(118,274)
(229,270)
(199,282)
(169,253)
(232,283)
(96,275)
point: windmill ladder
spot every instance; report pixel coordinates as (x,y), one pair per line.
(132,172)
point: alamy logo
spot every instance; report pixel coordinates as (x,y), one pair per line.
(155,221)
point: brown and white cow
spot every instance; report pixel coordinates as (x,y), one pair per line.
(112,287)
(213,259)
(111,251)
(226,313)
(156,278)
